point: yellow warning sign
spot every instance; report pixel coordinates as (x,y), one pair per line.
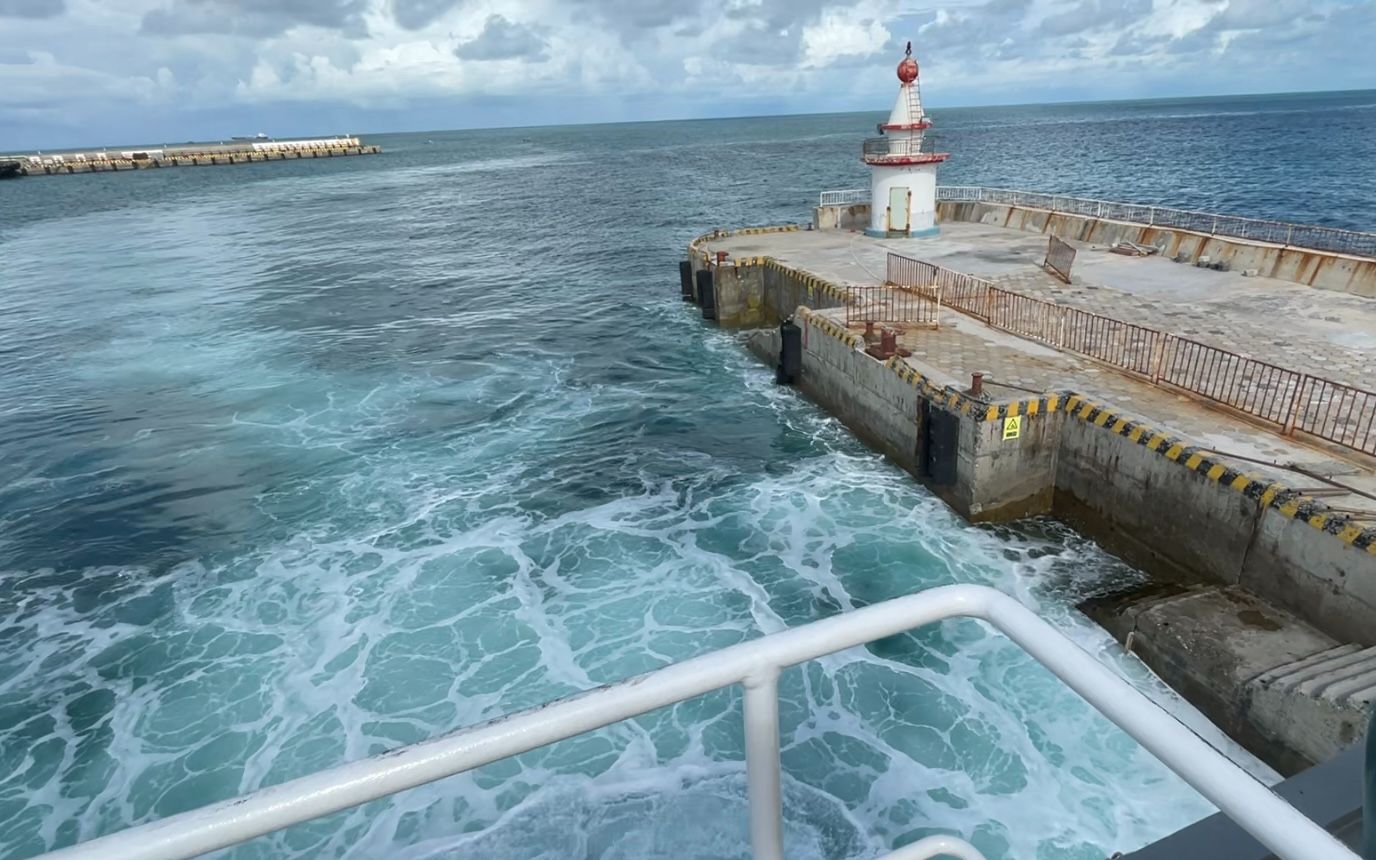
(1012,427)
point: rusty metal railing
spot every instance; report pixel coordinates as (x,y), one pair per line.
(888,303)
(1288,399)
(1256,387)
(1059,258)
(1339,413)
(1129,346)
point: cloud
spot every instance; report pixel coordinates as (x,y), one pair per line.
(418,14)
(31,84)
(841,35)
(640,15)
(502,40)
(333,62)
(251,18)
(1094,15)
(32,8)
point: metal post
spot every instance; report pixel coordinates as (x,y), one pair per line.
(764,787)
(1158,360)
(1292,412)
(976,384)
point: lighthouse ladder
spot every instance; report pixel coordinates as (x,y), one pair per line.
(914,97)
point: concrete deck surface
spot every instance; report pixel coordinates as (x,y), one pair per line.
(1301,328)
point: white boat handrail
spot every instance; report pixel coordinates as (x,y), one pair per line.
(756,665)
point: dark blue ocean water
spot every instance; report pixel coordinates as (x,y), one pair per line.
(302,461)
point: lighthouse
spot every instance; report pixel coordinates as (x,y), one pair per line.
(903,181)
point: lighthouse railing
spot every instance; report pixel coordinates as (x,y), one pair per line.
(848,197)
(1251,229)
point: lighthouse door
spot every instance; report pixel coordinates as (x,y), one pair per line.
(898,209)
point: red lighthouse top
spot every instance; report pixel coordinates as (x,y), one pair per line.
(907,68)
(902,141)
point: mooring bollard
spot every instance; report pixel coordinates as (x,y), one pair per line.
(976,384)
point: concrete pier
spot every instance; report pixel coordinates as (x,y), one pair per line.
(187,155)
(1268,540)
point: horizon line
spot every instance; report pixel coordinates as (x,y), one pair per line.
(708,118)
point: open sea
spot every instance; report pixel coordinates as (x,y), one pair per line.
(303,461)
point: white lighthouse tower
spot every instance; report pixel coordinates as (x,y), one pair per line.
(903,186)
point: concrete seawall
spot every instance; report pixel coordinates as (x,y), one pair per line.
(1327,270)
(200,159)
(1224,537)
(1313,268)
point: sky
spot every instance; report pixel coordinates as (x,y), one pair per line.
(92,72)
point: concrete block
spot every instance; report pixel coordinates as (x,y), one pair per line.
(1320,703)
(1211,644)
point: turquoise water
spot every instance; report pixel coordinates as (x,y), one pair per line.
(300,462)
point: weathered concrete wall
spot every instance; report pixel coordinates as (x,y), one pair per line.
(1314,569)
(1148,510)
(863,392)
(1015,477)
(739,294)
(1322,269)
(854,216)
(1178,514)
(997,478)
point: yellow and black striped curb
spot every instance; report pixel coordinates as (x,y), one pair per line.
(833,328)
(807,279)
(695,249)
(1286,500)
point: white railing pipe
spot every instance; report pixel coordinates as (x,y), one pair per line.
(936,846)
(1258,810)
(763,771)
(841,198)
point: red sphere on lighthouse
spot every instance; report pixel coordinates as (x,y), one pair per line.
(907,67)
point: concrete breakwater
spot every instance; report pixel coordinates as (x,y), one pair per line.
(1267,620)
(1315,267)
(189,155)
